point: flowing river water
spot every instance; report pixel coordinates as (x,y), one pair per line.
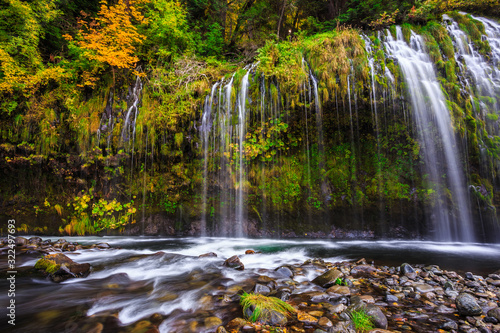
(143,276)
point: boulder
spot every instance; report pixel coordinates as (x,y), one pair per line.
(208,255)
(234,262)
(328,278)
(21,241)
(60,268)
(467,305)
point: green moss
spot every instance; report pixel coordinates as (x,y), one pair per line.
(47,265)
(492,116)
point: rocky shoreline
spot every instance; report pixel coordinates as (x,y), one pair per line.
(405,298)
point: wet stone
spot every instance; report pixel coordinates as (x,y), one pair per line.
(328,278)
(391,298)
(423,288)
(491,320)
(284,271)
(306,318)
(234,262)
(325,322)
(212,322)
(262,289)
(444,309)
(467,305)
(408,271)
(338,290)
(363,270)
(378,317)
(495,313)
(208,255)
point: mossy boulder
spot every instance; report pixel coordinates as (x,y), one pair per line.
(59,267)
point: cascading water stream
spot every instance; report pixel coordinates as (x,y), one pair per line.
(484,73)
(134,108)
(452,221)
(206,125)
(242,118)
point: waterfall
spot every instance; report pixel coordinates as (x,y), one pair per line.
(135,97)
(223,134)
(242,117)
(485,73)
(206,124)
(452,220)
(394,103)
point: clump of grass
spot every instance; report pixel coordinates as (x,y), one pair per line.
(361,320)
(263,306)
(47,265)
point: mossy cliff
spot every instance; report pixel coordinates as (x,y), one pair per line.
(329,143)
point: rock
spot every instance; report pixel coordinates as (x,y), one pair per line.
(35,240)
(495,313)
(221,329)
(306,318)
(234,262)
(265,279)
(144,326)
(212,322)
(208,255)
(59,267)
(21,241)
(102,246)
(495,283)
(95,328)
(284,271)
(423,288)
(328,278)
(343,327)
(249,252)
(325,322)
(467,305)
(236,324)
(491,320)
(363,270)
(389,298)
(316,313)
(367,299)
(338,290)
(444,309)
(408,271)
(262,289)
(338,308)
(378,317)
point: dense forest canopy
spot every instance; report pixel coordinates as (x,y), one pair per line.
(68,69)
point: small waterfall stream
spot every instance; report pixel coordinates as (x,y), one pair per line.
(452,220)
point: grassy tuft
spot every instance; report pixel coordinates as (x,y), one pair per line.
(361,320)
(48,266)
(263,306)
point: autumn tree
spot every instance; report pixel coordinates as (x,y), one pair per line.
(112,38)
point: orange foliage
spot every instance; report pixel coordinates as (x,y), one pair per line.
(112,38)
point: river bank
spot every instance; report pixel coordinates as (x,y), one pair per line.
(185,285)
